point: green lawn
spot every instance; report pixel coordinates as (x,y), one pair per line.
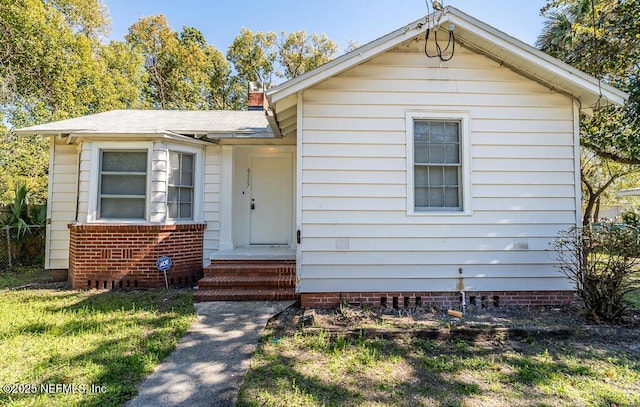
(634,297)
(296,367)
(21,276)
(70,348)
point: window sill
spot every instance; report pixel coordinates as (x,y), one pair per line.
(438,214)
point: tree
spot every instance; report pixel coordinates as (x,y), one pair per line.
(183,71)
(264,56)
(154,39)
(24,161)
(299,52)
(602,38)
(44,57)
(598,175)
(52,67)
(253,56)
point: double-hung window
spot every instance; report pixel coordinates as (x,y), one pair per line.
(437,165)
(438,162)
(180,190)
(122,184)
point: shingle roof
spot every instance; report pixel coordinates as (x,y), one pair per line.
(158,122)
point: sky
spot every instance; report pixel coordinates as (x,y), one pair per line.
(342,21)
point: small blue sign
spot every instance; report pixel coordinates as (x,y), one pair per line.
(163,263)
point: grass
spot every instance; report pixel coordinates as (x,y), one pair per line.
(634,296)
(297,367)
(19,276)
(79,339)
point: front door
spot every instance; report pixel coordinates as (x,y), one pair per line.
(270,199)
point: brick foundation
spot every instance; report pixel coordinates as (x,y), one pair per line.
(442,299)
(124,256)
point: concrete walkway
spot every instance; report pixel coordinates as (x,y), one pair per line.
(210,361)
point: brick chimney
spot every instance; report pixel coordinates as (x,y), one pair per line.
(256,99)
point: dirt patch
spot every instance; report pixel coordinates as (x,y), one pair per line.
(477,325)
(516,356)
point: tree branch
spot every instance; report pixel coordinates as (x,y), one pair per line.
(610,156)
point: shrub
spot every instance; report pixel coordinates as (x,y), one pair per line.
(26,228)
(631,218)
(601,263)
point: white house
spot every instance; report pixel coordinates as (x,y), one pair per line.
(383,174)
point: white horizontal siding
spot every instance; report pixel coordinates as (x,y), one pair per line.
(64,186)
(85,180)
(446,229)
(159,178)
(436,100)
(390,217)
(395,284)
(420,244)
(394,111)
(356,233)
(353,177)
(424,256)
(522,178)
(424,271)
(211,200)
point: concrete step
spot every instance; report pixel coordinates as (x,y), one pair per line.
(224,294)
(248,280)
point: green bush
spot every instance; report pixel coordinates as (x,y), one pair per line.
(601,263)
(631,218)
(26,229)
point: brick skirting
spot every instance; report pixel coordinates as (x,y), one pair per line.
(441,299)
(124,256)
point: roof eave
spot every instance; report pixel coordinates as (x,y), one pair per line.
(346,61)
(589,85)
(198,137)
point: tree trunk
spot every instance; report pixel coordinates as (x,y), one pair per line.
(588,209)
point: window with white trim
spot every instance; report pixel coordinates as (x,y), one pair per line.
(437,164)
(122,191)
(180,188)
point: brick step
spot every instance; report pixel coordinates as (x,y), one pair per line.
(224,294)
(248,269)
(258,281)
(248,272)
(253,261)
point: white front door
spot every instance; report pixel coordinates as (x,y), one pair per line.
(271,199)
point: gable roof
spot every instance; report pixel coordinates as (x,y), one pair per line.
(212,124)
(472,34)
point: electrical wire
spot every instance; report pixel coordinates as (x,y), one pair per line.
(451,41)
(440,53)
